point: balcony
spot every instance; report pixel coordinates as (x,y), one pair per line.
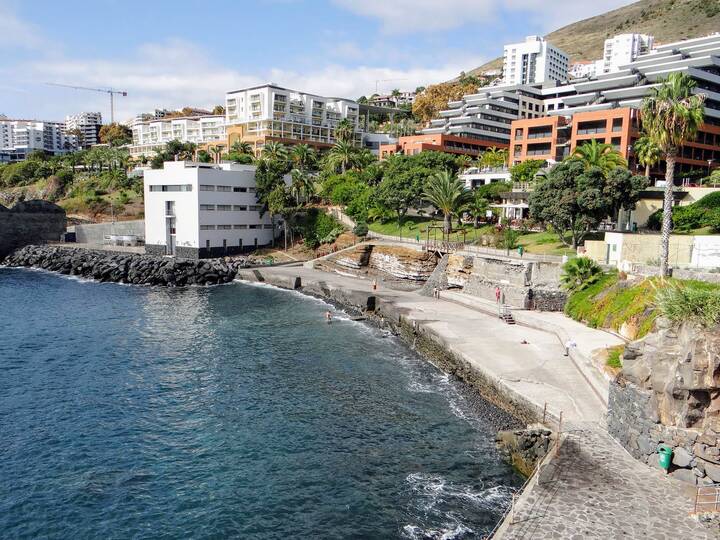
(542,135)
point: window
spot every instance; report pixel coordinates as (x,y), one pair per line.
(207,244)
(255,207)
(206,187)
(172,187)
(240,190)
(223,188)
(224,207)
(240,208)
(268,226)
(207,207)
(239,226)
(254,226)
(251,190)
(224,227)
(207,227)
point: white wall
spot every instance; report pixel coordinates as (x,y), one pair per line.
(706,252)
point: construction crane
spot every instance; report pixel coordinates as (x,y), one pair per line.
(109,91)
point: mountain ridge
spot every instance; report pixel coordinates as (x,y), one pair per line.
(667,20)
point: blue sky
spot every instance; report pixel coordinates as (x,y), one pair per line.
(171,54)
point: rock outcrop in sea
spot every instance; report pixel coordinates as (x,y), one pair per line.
(123,267)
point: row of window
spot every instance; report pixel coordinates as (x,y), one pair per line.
(209,187)
(230,227)
(172,187)
(230,207)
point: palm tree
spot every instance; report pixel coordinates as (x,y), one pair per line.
(301,186)
(463,162)
(216,151)
(275,151)
(671,115)
(597,154)
(241,147)
(648,153)
(303,156)
(448,194)
(188,152)
(342,156)
(477,206)
(493,157)
(344,131)
(580,273)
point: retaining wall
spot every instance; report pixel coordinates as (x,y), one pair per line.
(93,233)
(30,222)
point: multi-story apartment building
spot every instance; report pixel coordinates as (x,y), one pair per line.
(534,61)
(197,210)
(622,49)
(272,113)
(87,125)
(439,142)
(488,114)
(606,107)
(585,69)
(151,136)
(18,138)
(392,100)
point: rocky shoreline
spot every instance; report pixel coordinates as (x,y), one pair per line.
(127,268)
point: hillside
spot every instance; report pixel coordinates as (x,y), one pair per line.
(667,20)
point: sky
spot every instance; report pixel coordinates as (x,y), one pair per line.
(189,53)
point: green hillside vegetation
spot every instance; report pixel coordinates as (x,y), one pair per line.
(701,217)
(667,20)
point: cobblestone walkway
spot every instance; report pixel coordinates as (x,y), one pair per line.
(594,489)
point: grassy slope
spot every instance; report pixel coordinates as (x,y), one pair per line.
(667,20)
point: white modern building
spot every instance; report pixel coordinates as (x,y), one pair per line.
(584,69)
(151,136)
(199,210)
(269,112)
(475,176)
(623,49)
(372,141)
(534,61)
(88,125)
(18,138)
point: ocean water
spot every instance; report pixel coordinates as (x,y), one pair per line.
(228,412)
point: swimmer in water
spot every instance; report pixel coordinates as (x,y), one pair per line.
(328,316)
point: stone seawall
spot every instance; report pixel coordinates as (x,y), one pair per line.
(423,340)
(122,267)
(30,222)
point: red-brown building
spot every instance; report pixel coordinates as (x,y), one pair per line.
(438,142)
(555,137)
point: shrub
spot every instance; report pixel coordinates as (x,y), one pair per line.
(614,359)
(580,273)
(361,229)
(689,302)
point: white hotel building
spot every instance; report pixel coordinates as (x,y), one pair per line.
(18,138)
(533,61)
(151,136)
(272,113)
(88,124)
(199,210)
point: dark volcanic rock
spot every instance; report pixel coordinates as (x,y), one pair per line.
(123,267)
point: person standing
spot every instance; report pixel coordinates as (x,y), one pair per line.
(497,294)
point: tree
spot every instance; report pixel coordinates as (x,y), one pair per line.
(79,137)
(216,151)
(342,156)
(648,153)
(344,131)
(671,116)
(571,199)
(268,175)
(580,273)
(436,97)
(218,110)
(303,156)
(477,207)
(601,155)
(493,157)
(463,162)
(241,147)
(622,189)
(115,134)
(204,157)
(525,172)
(275,151)
(448,194)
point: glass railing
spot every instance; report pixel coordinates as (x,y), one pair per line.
(544,135)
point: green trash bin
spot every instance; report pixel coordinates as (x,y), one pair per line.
(665,456)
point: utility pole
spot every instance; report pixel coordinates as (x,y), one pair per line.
(109,91)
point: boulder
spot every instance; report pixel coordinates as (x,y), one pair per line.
(681,457)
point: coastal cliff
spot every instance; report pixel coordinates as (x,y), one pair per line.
(123,267)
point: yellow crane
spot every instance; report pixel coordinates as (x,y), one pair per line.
(109,91)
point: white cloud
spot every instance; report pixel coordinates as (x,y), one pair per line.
(413,16)
(16,33)
(177,73)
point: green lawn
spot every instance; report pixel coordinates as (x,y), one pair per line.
(544,243)
(414,226)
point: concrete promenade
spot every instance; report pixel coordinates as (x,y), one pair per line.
(593,488)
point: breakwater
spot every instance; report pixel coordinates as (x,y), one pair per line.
(123,267)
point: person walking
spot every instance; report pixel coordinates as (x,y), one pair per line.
(497,294)
(374,285)
(569,344)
